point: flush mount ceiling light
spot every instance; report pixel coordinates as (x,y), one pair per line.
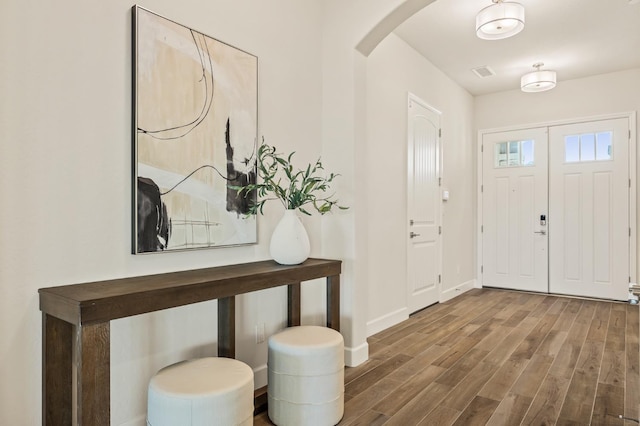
(500,20)
(539,80)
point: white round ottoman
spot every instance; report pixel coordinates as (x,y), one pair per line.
(201,392)
(306,377)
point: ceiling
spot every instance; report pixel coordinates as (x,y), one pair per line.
(576,38)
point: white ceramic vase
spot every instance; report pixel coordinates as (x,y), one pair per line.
(289,241)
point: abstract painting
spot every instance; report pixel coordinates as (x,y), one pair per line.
(195,118)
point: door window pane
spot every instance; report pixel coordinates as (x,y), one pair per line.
(527,153)
(587,147)
(603,145)
(501,154)
(571,149)
(514,154)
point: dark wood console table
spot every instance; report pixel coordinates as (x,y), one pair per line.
(82,313)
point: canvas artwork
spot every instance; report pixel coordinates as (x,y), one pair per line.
(195,137)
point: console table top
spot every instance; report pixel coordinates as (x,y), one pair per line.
(111,299)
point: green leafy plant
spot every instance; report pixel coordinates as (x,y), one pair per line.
(295,188)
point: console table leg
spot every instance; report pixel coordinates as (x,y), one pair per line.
(333,302)
(93,377)
(227,327)
(57,375)
(293,304)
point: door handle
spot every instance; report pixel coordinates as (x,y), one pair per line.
(543,232)
(413,234)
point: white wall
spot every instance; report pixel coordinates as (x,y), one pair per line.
(65,177)
(603,94)
(393,70)
(600,94)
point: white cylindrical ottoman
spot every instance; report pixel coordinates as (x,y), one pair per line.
(306,377)
(202,392)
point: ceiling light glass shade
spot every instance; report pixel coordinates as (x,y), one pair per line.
(538,81)
(500,20)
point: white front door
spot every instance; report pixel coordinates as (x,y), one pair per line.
(589,209)
(514,210)
(423,199)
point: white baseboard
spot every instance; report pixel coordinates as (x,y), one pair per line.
(457,290)
(386,321)
(477,284)
(138,421)
(260,375)
(356,356)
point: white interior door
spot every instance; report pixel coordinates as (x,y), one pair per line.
(514,210)
(423,199)
(589,209)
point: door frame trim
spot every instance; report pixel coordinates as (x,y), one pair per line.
(633,197)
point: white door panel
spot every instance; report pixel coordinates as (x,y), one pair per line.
(514,243)
(589,209)
(423,205)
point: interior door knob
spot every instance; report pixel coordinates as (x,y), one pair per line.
(413,234)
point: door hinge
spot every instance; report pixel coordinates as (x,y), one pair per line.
(481,188)
(439,278)
(439,230)
(481,268)
(439,181)
(439,133)
(481,148)
(481,228)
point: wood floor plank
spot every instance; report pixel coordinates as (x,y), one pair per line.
(613,368)
(460,369)
(600,323)
(632,373)
(420,406)
(510,411)
(545,407)
(361,402)
(370,418)
(542,308)
(407,391)
(456,352)
(516,318)
(578,403)
(368,379)
(609,405)
(504,350)
(618,315)
(478,412)
(418,363)
(500,357)
(468,388)
(568,316)
(565,361)
(441,416)
(532,376)
(552,343)
(498,386)
(558,307)
(350,374)
(436,336)
(530,344)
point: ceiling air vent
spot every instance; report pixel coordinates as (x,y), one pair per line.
(483,71)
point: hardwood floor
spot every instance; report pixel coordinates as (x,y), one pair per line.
(495,357)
